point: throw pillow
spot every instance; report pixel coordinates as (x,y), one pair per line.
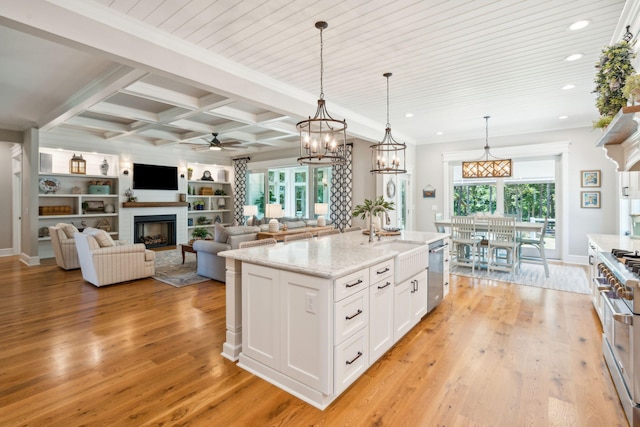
(102,237)
(220,234)
(69,229)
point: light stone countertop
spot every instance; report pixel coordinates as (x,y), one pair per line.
(606,242)
(329,256)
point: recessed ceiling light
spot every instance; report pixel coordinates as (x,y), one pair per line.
(563,117)
(439,133)
(578,25)
(408,115)
(573,57)
(567,87)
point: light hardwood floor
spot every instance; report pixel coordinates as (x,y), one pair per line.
(146,353)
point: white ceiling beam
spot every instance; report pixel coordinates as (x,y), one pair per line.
(104,125)
(160,94)
(99,90)
(121,111)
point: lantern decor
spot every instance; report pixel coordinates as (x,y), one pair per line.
(78,165)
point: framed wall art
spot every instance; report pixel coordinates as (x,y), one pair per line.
(590,178)
(589,199)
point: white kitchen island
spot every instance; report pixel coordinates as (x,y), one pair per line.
(310,316)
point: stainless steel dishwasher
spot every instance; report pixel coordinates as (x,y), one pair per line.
(435,287)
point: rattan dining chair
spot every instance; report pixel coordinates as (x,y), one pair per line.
(261,242)
(501,236)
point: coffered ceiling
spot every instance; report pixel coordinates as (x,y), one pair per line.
(170,73)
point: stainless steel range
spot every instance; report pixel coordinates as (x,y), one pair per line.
(619,277)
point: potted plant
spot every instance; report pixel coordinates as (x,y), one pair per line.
(189,173)
(200,233)
(614,68)
(363,210)
(198,205)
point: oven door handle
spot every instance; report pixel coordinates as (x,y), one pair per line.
(623,318)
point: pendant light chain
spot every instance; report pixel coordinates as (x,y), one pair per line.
(388,122)
(321,66)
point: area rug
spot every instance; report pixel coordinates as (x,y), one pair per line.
(566,278)
(170,270)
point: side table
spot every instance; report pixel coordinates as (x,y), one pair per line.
(187,248)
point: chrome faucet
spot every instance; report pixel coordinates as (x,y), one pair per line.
(372,230)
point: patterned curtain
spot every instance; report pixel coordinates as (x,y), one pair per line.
(240,188)
(341,191)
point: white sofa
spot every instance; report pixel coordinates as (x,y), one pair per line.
(103,262)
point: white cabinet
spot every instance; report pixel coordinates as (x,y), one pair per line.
(381,321)
(381,307)
(594,260)
(286,326)
(410,303)
(314,336)
(630,185)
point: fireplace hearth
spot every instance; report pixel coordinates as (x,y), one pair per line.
(155,230)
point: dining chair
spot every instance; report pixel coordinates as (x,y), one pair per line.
(501,236)
(464,241)
(298,236)
(536,242)
(261,242)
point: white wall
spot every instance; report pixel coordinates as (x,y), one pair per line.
(583,155)
(6,207)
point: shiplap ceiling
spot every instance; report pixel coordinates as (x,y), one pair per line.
(169,73)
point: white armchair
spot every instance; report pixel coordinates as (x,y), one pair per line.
(64,245)
(103,262)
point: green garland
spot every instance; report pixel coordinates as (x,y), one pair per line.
(613,69)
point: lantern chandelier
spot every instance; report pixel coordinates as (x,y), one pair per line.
(388,156)
(323,139)
(485,168)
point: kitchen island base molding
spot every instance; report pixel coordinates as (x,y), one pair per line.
(286,383)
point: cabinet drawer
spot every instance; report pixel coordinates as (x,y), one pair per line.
(351,359)
(381,271)
(350,284)
(351,315)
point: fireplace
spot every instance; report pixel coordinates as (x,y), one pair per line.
(154,230)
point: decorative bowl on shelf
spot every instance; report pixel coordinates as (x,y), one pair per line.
(49,185)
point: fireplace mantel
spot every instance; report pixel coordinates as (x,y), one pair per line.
(153,204)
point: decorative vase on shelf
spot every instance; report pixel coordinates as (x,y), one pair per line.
(189,173)
(104,167)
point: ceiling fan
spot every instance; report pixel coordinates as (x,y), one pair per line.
(215,143)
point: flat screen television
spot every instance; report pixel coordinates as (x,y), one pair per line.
(154,177)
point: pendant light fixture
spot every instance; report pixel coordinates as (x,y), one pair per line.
(486,168)
(388,156)
(323,139)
